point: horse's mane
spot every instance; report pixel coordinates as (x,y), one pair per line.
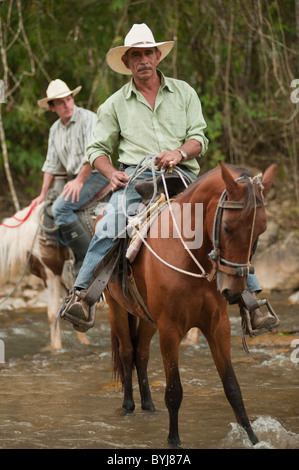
(16,243)
(250,195)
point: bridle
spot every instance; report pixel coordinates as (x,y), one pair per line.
(220,263)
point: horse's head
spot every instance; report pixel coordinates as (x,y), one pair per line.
(239,220)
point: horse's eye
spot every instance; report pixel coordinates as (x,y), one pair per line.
(226,228)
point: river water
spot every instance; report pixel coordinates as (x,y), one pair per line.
(69,400)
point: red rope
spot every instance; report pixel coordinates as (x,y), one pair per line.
(32,206)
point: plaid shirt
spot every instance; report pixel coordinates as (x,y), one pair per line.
(67,144)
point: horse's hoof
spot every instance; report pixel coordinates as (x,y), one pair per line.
(148,407)
(254,440)
(174,441)
(128,408)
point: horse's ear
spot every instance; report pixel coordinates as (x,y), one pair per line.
(268,177)
(232,187)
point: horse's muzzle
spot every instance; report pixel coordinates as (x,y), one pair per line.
(230,296)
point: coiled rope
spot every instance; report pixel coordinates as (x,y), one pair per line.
(149,162)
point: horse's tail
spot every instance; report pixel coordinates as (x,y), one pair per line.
(118,371)
(116,362)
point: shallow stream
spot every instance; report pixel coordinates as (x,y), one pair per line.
(68,400)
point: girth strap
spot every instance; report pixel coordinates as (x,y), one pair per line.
(139,303)
(103,273)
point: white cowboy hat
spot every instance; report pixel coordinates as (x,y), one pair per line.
(139,36)
(57,89)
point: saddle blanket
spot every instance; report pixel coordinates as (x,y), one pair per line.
(138,227)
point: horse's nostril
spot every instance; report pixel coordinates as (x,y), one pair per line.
(230,296)
(227,294)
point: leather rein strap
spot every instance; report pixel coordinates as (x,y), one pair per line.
(228,267)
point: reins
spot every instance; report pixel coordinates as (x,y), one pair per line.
(146,163)
(143,165)
(31,207)
(24,270)
(219,263)
(229,267)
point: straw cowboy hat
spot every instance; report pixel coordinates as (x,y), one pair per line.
(139,36)
(57,89)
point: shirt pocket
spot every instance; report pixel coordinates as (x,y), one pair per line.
(173,119)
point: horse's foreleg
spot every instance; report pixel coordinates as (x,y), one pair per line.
(53,285)
(234,396)
(192,336)
(142,349)
(169,344)
(219,341)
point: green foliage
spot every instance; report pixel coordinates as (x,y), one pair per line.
(239,56)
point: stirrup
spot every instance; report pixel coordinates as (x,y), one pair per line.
(78,323)
(247,304)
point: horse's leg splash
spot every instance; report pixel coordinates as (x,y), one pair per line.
(234,396)
(220,349)
(169,345)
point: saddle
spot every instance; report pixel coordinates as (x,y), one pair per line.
(50,234)
(146,187)
(116,261)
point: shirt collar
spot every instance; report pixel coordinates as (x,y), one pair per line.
(165,83)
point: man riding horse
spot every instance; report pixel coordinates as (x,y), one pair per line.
(152,114)
(68,139)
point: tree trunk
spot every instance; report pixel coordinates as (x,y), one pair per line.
(6,164)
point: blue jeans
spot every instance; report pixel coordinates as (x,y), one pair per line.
(110,226)
(64,211)
(253,283)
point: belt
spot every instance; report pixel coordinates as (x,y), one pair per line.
(123,166)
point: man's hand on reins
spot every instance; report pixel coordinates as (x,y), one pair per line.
(118,180)
(168,158)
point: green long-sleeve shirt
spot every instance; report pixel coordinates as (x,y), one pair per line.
(128,125)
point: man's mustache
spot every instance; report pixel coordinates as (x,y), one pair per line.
(144,68)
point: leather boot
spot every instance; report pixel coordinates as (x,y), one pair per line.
(258,320)
(77,239)
(77,311)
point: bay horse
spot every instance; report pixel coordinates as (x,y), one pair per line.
(22,242)
(179,295)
